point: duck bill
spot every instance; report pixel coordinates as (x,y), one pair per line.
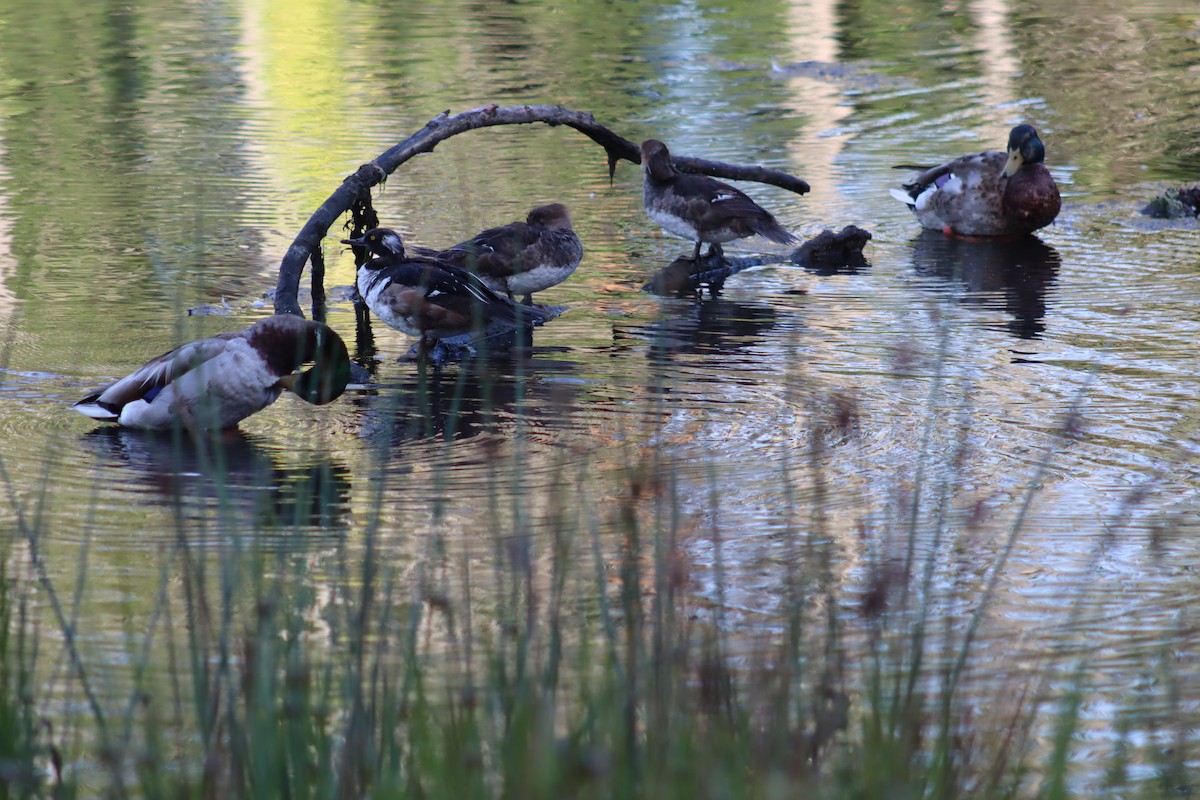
(1013,164)
(289,382)
(360,242)
(319,385)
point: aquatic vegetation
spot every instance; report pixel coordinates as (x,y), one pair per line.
(549,659)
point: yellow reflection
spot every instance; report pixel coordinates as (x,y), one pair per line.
(295,82)
(994,44)
(7,263)
(812,33)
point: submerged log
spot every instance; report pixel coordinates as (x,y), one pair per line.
(826,253)
(1178,203)
(834,250)
(357,186)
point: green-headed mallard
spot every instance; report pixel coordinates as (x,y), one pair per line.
(215,383)
(987,194)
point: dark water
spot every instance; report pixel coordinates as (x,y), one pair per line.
(168,162)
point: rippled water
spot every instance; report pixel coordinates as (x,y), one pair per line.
(169,163)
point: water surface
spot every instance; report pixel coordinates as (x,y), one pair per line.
(167,164)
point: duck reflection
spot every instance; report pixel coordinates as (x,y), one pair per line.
(478,396)
(1021,270)
(713,326)
(232,471)
(499,341)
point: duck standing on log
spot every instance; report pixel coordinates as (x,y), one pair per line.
(425,297)
(520,258)
(699,208)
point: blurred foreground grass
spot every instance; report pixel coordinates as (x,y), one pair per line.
(572,664)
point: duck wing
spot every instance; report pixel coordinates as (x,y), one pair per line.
(718,205)
(965,195)
(496,252)
(435,277)
(147,381)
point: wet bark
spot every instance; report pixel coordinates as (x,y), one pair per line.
(355,189)
(827,253)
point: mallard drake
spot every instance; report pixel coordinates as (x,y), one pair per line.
(987,194)
(520,258)
(215,383)
(423,296)
(699,208)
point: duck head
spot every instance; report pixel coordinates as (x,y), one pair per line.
(656,160)
(1024,147)
(380,241)
(552,217)
(289,342)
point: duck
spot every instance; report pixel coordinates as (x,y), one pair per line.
(520,258)
(421,295)
(988,194)
(215,383)
(700,208)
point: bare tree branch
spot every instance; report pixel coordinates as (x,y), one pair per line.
(307,244)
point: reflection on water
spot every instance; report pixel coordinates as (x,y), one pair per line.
(712,326)
(1017,275)
(234,474)
(468,399)
(202,122)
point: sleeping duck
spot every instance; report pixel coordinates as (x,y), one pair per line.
(215,383)
(987,194)
(419,294)
(520,258)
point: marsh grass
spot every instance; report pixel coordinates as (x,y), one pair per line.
(570,655)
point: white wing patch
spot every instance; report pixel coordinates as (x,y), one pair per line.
(721,197)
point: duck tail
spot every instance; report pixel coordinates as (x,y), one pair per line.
(521,315)
(91,407)
(768,228)
(903,197)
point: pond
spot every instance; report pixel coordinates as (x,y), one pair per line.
(157,157)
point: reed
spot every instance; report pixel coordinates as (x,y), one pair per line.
(571,655)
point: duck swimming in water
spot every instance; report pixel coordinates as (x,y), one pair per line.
(215,383)
(987,194)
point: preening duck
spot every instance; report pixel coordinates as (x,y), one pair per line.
(215,383)
(423,296)
(699,208)
(987,194)
(521,258)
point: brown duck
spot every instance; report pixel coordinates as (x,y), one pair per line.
(422,296)
(987,194)
(700,208)
(520,258)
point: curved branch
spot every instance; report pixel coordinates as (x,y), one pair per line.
(307,242)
